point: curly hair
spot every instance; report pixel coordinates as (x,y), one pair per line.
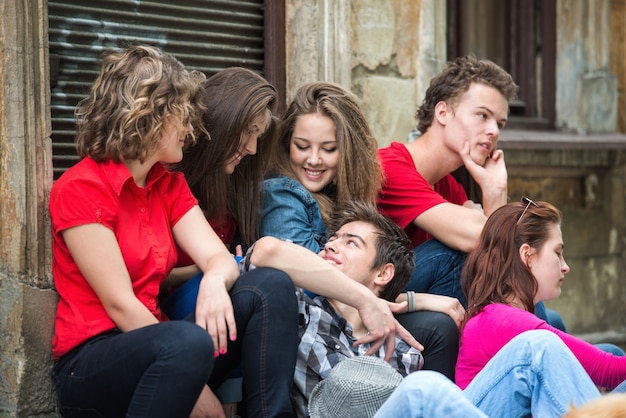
(359,175)
(233,99)
(123,115)
(494,271)
(456,79)
(392,244)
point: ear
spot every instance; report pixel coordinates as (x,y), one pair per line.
(385,275)
(441,113)
(525,252)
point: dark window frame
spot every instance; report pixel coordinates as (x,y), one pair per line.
(274,46)
(529,54)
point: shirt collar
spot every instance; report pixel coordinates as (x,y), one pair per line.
(118,174)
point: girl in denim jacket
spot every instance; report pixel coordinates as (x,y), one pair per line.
(325,156)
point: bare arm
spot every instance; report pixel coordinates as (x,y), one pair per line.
(214,310)
(180,275)
(437,303)
(456,226)
(98,256)
(311,272)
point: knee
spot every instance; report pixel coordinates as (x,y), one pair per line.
(445,326)
(187,343)
(538,337)
(425,381)
(538,342)
(270,283)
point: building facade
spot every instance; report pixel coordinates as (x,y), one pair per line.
(564,144)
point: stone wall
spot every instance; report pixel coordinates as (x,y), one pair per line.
(27,303)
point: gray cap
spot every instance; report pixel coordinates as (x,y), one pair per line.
(355,388)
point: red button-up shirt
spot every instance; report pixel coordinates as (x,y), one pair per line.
(142,220)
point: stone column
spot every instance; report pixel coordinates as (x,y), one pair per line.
(318,42)
(27,302)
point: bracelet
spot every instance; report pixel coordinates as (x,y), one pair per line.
(410,298)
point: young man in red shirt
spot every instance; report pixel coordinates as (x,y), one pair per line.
(460,120)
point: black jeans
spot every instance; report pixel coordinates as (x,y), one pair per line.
(439,335)
(159,370)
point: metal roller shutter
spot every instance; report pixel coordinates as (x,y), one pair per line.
(205,35)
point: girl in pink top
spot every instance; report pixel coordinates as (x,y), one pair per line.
(518,262)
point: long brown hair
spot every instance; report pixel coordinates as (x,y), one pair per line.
(494,271)
(234,98)
(359,175)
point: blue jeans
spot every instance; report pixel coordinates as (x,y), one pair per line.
(159,370)
(535,374)
(438,270)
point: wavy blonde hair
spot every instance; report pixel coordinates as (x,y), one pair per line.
(123,115)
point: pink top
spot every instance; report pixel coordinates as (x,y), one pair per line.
(406,194)
(487,332)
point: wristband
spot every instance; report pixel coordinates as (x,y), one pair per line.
(410,298)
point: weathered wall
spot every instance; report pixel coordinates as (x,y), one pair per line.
(27,302)
(398,46)
(586,93)
(618,57)
(588,185)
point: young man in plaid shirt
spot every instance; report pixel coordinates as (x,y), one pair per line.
(372,251)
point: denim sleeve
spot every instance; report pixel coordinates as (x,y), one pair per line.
(291,213)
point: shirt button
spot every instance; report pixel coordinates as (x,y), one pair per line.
(337,347)
(142,210)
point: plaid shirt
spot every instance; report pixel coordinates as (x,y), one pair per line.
(326,339)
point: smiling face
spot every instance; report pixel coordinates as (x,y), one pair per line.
(352,249)
(548,265)
(170,149)
(313,152)
(248,142)
(477,116)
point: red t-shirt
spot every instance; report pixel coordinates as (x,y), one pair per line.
(406,194)
(142,220)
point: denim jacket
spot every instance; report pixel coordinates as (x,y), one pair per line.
(291,213)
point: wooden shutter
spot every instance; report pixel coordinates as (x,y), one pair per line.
(205,35)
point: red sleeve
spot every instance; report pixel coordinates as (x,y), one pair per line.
(85,200)
(406,194)
(178,196)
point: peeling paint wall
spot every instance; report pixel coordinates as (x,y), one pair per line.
(27,304)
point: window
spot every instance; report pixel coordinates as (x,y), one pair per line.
(518,35)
